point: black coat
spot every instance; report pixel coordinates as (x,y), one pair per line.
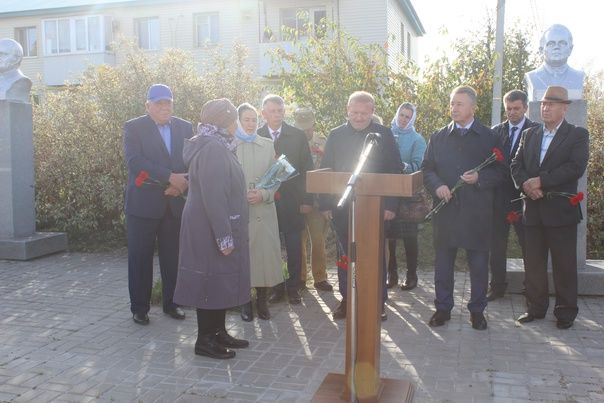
(508,191)
(342,151)
(466,221)
(563,165)
(144,150)
(292,142)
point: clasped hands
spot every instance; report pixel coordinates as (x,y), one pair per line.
(532,188)
(444,193)
(178,185)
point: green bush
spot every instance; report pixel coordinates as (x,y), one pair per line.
(80,172)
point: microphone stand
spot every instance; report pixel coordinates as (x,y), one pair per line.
(349,193)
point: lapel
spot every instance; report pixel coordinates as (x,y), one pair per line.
(263,131)
(176,140)
(155,138)
(558,139)
(535,145)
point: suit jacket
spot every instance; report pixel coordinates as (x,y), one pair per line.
(508,191)
(292,142)
(466,221)
(144,150)
(564,163)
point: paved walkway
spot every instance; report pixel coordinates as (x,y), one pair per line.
(66,335)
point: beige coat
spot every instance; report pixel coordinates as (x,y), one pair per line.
(265,248)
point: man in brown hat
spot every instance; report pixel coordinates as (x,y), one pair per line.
(316,224)
(550,160)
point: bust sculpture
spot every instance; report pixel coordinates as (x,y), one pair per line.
(14,86)
(555,47)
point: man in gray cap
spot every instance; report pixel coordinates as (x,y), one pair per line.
(153,146)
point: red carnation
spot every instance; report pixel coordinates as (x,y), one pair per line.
(342,262)
(512,217)
(576,199)
(141,178)
(498,154)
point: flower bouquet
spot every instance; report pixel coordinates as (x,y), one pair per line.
(279,172)
(496,155)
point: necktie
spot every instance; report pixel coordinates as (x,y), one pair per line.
(462,131)
(513,145)
(276,135)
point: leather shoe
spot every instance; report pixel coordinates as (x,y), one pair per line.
(293,296)
(409,284)
(226,340)
(340,312)
(492,295)
(207,345)
(478,320)
(384,315)
(439,318)
(175,312)
(278,296)
(247,313)
(140,318)
(323,286)
(564,324)
(528,317)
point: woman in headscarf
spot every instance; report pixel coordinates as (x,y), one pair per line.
(214,263)
(412,147)
(256,155)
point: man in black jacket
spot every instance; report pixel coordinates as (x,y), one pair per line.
(342,151)
(292,201)
(551,158)
(465,220)
(509,133)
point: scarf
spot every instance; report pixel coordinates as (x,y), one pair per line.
(401,131)
(243,136)
(219,134)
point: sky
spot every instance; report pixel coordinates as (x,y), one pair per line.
(582,17)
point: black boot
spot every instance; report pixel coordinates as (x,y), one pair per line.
(228,341)
(411,253)
(278,294)
(247,312)
(262,303)
(208,346)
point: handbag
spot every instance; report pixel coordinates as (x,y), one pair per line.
(415,208)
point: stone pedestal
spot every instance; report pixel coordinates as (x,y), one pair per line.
(18,239)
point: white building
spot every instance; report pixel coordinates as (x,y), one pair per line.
(62,37)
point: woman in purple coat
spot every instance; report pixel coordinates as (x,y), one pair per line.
(214,265)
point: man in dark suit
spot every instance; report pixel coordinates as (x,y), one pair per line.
(342,151)
(153,143)
(551,158)
(509,132)
(465,220)
(293,201)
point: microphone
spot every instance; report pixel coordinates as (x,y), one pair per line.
(373,137)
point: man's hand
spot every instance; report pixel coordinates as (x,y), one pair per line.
(470,177)
(327,215)
(254,196)
(532,188)
(172,191)
(443,193)
(227,251)
(305,208)
(389,215)
(179,181)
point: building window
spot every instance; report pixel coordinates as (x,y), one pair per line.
(147,32)
(206,29)
(28,38)
(408,45)
(402,39)
(83,34)
(302,22)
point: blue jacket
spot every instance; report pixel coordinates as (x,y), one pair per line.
(412,147)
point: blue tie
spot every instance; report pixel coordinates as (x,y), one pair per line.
(510,146)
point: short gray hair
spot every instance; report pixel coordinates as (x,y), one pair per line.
(361,96)
(274,98)
(465,89)
(556,27)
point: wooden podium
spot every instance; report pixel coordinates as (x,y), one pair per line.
(370,190)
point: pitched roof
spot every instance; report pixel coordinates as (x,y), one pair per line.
(12,8)
(413,17)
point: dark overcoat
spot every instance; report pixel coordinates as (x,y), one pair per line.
(216,209)
(508,191)
(292,193)
(144,150)
(564,163)
(466,221)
